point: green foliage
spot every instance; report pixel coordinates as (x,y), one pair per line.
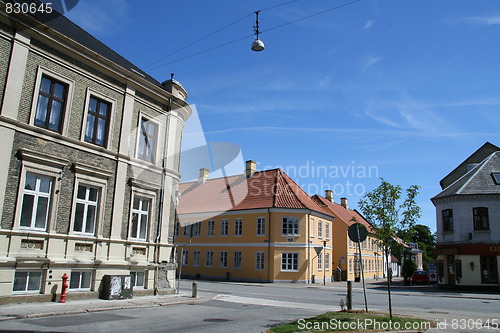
(426,240)
(409,267)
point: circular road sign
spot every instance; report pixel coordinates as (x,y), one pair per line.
(357,232)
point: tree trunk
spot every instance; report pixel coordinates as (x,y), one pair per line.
(389,278)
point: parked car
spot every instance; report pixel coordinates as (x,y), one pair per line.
(420,277)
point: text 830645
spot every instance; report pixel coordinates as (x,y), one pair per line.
(28,8)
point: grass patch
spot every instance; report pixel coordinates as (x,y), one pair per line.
(353,321)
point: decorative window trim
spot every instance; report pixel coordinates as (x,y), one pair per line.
(263,219)
(102,185)
(259,263)
(158,146)
(41,164)
(143,193)
(41,71)
(294,254)
(135,182)
(112,102)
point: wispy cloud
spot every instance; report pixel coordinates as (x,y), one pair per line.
(478,20)
(100,17)
(369,24)
(369,62)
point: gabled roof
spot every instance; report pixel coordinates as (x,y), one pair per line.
(477,157)
(264,189)
(344,215)
(479,180)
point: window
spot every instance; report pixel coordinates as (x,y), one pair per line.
(36,201)
(97,125)
(188,230)
(176,230)
(290,226)
(447,220)
(261,226)
(259,261)
(238,227)
(237,260)
(223,227)
(350,265)
(51,103)
(223,259)
(197,229)
(80,280)
(30,281)
(496,177)
(327,261)
(289,261)
(87,199)
(210,227)
(327,230)
(140,217)
(209,262)
(320,229)
(138,279)
(481,219)
(489,270)
(320,261)
(184,257)
(196,258)
(148,137)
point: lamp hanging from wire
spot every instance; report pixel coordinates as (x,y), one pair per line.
(257,44)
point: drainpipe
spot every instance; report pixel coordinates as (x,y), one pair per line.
(269,247)
(308,247)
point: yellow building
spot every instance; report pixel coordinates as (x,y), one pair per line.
(345,252)
(259,226)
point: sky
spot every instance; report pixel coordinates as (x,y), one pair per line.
(343,94)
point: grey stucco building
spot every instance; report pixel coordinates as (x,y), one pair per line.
(89,162)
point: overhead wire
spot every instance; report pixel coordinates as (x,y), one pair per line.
(244,37)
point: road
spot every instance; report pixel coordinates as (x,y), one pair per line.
(240,307)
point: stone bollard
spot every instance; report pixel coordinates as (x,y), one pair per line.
(194,290)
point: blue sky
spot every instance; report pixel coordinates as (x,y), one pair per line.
(403,90)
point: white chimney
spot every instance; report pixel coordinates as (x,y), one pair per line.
(343,203)
(203,175)
(251,167)
(329,195)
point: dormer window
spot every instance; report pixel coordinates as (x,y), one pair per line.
(496,177)
(471,166)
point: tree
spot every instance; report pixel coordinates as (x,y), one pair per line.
(383,209)
(426,240)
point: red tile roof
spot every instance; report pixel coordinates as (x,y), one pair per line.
(264,189)
(344,214)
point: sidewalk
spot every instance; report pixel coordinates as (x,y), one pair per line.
(32,310)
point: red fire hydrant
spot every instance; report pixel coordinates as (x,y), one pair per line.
(63,289)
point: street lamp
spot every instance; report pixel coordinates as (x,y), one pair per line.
(257,44)
(324,264)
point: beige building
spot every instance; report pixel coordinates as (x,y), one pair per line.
(89,163)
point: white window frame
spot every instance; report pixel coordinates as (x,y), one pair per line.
(29,272)
(112,102)
(224,227)
(196,229)
(290,229)
(320,229)
(294,256)
(261,226)
(327,230)
(158,148)
(320,261)
(238,227)
(196,258)
(223,259)
(185,257)
(143,194)
(260,261)
(31,164)
(134,275)
(37,194)
(327,261)
(312,226)
(41,71)
(237,260)
(81,272)
(210,228)
(209,259)
(187,229)
(86,203)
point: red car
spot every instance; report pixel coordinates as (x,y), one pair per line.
(420,277)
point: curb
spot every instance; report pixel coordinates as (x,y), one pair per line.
(111,308)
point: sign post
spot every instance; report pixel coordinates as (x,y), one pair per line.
(358,233)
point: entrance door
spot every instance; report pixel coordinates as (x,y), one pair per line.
(450,268)
(489,269)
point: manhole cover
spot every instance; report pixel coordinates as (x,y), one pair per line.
(216,320)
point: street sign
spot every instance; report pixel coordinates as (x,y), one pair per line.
(357,232)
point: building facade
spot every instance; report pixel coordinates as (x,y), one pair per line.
(89,163)
(259,226)
(346,252)
(468,222)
